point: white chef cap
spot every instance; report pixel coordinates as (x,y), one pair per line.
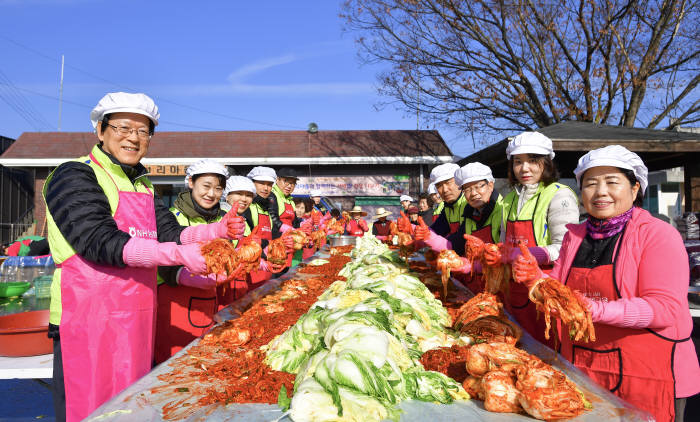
(123,102)
(238,184)
(443,172)
(614,156)
(205,166)
(405,198)
(432,189)
(263,174)
(530,143)
(315,192)
(473,172)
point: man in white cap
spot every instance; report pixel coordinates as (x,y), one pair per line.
(438,203)
(282,204)
(482,216)
(108,232)
(406,202)
(452,216)
(178,288)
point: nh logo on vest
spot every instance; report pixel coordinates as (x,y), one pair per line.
(134,232)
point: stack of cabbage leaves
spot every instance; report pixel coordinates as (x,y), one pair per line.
(356,351)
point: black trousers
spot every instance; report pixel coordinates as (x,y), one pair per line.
(59,389)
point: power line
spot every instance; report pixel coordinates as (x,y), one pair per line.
(160,99)
(19,103)
(90,108)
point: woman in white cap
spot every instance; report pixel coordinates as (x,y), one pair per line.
(241,190)
(356,226)
(406,202)
(381,228)
(315,195)
(631,270)
(535,213)
(108,232)
(452,216)
(187,302)
(482,218)
(438,203)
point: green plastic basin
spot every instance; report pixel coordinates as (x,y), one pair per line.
(15,288)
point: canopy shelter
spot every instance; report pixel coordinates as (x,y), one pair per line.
(660,150)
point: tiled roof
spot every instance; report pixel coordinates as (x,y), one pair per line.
(349,143)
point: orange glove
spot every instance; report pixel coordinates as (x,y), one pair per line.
(404,224)
(525,268)
(493,256)
(422,231)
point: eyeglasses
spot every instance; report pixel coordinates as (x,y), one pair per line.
(127,131)
(474,189)
(287,181)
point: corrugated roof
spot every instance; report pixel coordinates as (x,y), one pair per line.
(349,143)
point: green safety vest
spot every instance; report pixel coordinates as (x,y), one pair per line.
(455,213)
(184,220)
(61,250)
(494,221)
(438,209)
(282,199)
(534,209)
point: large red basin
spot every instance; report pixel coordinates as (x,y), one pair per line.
(24,334)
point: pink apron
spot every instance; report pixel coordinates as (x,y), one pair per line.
(108,316)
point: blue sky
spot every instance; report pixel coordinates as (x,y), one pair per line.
(210,65)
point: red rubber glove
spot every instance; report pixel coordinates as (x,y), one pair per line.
(288,244)
(230,227)
(306,226)
(271,267)
(493,256)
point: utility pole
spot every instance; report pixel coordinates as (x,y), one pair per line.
(60,95)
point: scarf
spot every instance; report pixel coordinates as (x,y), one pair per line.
(602,229)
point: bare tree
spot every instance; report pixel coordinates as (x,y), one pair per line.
(499,66)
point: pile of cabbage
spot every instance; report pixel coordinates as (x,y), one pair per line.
(356,351)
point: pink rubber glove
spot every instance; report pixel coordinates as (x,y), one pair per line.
(466,267)
(327,216)
(230,227)
(436,242)
(382,238)
(285,228)
(538,252)
(204,282)
(149,253)
(271,267)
